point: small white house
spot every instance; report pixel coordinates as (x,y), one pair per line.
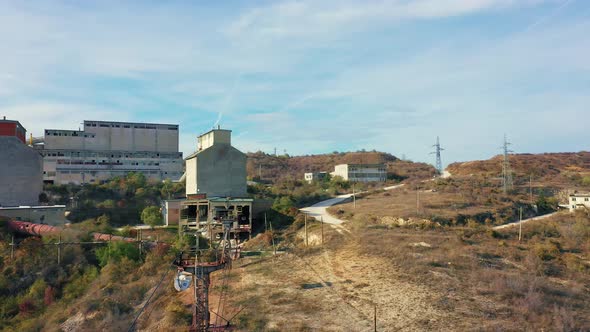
(579,201)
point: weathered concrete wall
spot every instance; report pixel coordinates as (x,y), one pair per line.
(191,176)
(51,215)
(216,136)
(21,173)
(221,171)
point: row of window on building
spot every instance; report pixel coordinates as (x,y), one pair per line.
(112,155)
(137,126)
(68,133)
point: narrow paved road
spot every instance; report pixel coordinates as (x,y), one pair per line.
(319,210)
(526,220)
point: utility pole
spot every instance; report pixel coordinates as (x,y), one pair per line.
(520,226)
(375,317)
(353,197)
(259,171)
(417,200)
(306,230)
(12,249)
(59,250)
(506,171)
(531,188)
(437,151)
(140,235)
(322,224)
(272,236)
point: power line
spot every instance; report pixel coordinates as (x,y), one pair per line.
(148,301)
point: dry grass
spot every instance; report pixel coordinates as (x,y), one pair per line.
(444,206)
(453,279)
(551,169)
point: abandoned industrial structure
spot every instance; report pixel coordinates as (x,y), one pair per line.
(105,149)
(21,178)
(20,167)
(216,188)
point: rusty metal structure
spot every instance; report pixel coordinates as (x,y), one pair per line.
(193,263)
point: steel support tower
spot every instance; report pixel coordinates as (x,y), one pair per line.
(190,263)
(506,170)
(437,151)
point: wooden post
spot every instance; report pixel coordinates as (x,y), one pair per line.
(139,233)
(520,226)
(531,188)
(59,250)
(265,224)
(353,197)
(306,230)
(322,224)
(272,234)
(375,318)
(12,248)
(417,201)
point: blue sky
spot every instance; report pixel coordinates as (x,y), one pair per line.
(309,76)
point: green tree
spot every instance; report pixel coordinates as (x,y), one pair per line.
(151,215)
(546,205)
(117,250)
(167,189)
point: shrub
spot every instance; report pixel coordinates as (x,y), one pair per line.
(79,282)
(151,215)
(117,250)
(546,251)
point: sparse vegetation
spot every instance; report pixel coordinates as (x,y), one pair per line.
(269,168)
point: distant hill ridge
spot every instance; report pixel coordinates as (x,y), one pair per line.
(273,168)
(554,166)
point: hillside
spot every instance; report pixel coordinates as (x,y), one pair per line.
(273,168)
(557,169)
(452,279)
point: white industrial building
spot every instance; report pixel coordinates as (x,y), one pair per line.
(105,149)
(361,172)
(579,201)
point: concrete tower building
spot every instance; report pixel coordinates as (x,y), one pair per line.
(21,167)
(217,169)
(216,188)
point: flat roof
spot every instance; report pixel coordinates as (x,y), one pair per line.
(130,123)
(579,194)
(212,130)
(363,165)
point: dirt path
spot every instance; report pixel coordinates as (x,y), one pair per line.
(337,290)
